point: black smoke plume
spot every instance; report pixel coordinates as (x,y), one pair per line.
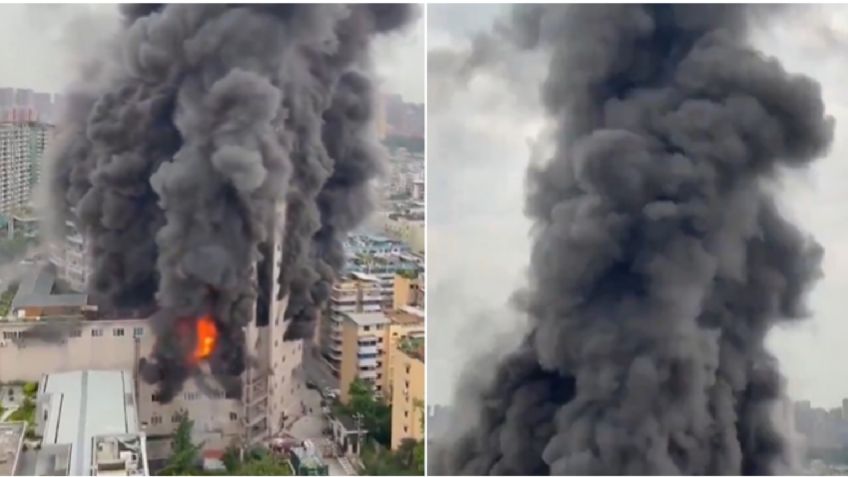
(174,153)
(660,261)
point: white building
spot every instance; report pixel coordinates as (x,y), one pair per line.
(21,148)
(90,419)
(71,258)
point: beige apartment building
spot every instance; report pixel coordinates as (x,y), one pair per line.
(408,291)
(37,345)
(363,336)
(408,391)
(403,323)
(354,293)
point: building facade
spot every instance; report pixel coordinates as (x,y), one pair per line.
(404,323)
(354,293)
(21,148)
(363,337)
(70,256)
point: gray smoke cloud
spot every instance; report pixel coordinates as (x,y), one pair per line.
(660,261)
(175,151)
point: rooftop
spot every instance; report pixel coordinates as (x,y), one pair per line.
(368,318)
(308,457)
(11,443)
(412,347)
(364,277)
(36,287)
(94,412)
(405,317)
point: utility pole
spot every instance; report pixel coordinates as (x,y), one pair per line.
(357,418)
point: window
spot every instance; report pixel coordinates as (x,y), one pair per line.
(118,332)
(233,416)
(138,332)
(405,429)
(155,397)
(407,369)
(405,413)
(95,332)
(156,420)
(175,418)
(407,384)
(379,340)
(76,333)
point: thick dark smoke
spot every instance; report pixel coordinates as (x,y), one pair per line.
(204,120)
(660,262)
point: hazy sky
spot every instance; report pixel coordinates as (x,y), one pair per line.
(478,147)
(42,42)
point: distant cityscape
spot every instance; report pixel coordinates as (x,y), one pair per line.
(821,435)
(371,333)
(27,105)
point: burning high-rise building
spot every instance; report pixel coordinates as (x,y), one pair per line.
(214,162)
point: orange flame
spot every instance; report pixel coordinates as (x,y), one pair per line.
(207,337)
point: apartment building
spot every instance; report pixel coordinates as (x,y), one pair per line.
(354,293)
(408,291)
(407,322)
(36,345)
(70,256)
(21,146)
(363,337)
(408,391)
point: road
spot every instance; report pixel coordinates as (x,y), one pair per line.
(316,370)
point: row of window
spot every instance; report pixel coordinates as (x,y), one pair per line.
(175,418)
(117,332)
(95,332)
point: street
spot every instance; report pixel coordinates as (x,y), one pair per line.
(311,425)
(316,370)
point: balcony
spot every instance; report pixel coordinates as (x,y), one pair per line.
(369,362)
(372,350)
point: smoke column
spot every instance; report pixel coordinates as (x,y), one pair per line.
(175,150)
(659,261)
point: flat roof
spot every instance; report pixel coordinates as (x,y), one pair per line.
(364,277)
(11,443)
(86,404)
(35,290)
(368,318)
(406,317)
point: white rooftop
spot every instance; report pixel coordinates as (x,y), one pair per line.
(88,408)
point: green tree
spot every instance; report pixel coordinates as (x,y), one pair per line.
(185,455)
(405,461)
(265,465)
(30,389)
(376,414)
